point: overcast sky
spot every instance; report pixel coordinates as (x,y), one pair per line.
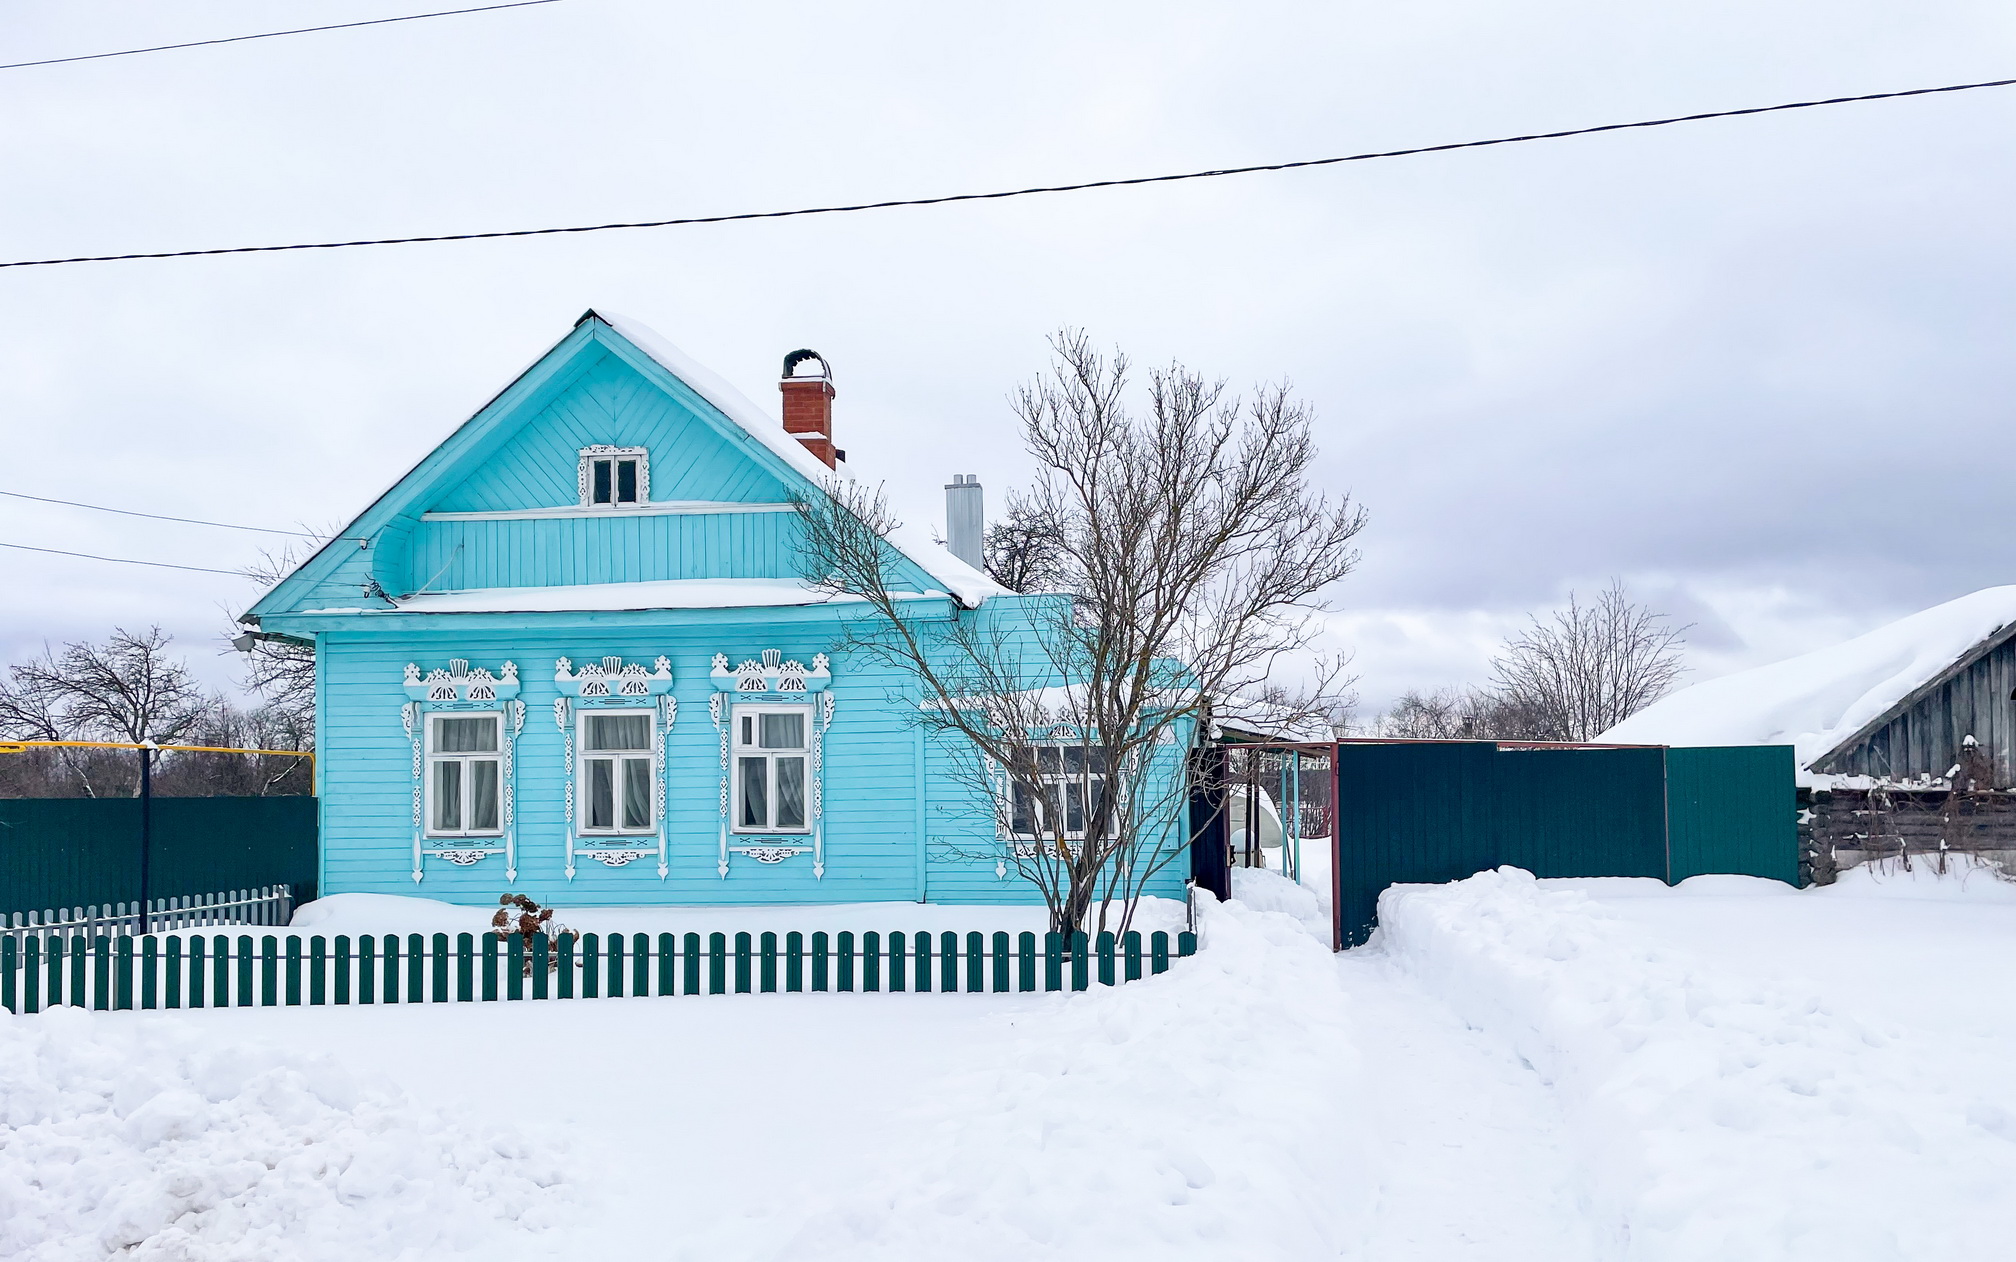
(1760,369)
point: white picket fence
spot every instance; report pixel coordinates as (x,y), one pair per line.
(266,905)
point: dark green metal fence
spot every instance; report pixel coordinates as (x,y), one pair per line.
(72,852)
(284,970)
(1440,811)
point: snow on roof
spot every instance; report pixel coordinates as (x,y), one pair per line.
(1266,719)
(682,593)
(1818,700)
(960,579)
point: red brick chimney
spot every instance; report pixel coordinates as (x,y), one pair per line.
(808,404)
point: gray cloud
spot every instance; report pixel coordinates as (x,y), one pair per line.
(1758,368)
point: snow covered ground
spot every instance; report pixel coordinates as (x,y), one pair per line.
(1570,1071)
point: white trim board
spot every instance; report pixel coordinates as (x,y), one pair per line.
(670,508)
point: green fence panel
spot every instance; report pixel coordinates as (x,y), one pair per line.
(10,999)
(742,952)
(766,979)
(1105,949)
(717,963)
(1130,946)
(1733,809)
(845,962)
(122,968)
(821,961)
(492,944)
(542,966)
(101,972)
(318,968)
(514,968)
(1158,951)
(689,963)
(150,962)
(465,968)
(73,852)
(668,971)
(794,961)
(171,970)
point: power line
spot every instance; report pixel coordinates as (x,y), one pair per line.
(1020,192)
(159,565)
(189,521)
(305,30)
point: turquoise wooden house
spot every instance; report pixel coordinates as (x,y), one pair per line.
(568,654)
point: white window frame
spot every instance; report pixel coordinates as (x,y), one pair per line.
(649,756)
(436,756)
(738,750)
(585,477)
(1057,782)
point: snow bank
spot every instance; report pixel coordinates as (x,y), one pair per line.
(1816,701)
(1198,1115)
(131,1136)
(396,913)
(1722,1116)
(1966,878)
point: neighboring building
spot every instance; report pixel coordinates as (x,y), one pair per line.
(569,654)
(1906,703)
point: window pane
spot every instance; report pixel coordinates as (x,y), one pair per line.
(1074,808)
(1047,758)
(448,797)
(636,793)
(755,795)
(600,494)
(1074,758)
(465,736)
(601,793)
(790,793)
(1022,811)
(626,481)
(619,731)
(748,729)
(483,795)
(784,731)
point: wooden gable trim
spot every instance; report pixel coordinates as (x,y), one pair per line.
(551,372)
(1960,666)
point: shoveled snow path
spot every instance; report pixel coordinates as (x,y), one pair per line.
(1468,1149)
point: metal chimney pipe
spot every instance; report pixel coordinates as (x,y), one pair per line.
(966,519)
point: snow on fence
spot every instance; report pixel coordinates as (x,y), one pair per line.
(192,971)
(266,905)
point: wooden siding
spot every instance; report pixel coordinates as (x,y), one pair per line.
(608,548)
(610,403)
(1923,736)
(895,829)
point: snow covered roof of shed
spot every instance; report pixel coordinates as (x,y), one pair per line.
(969,585)
(1821,700)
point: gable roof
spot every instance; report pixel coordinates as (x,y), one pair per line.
(512,407)
(1825,701)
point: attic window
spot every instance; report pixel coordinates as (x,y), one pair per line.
(614,477)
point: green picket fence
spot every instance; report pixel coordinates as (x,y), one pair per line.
(219,971)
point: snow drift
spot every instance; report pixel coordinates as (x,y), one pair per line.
(1816,701)
(1722,1116)
(1202,1114)
(130,1136)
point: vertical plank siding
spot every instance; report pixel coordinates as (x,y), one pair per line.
(80,970)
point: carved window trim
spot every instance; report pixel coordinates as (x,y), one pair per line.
(585,483)
(624,687)
(457,690)
(770,679)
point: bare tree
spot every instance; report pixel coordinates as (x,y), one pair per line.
(1025,549)
(126,689)
(1587,668)
(1438,714)
(280,669)
(1196,552)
